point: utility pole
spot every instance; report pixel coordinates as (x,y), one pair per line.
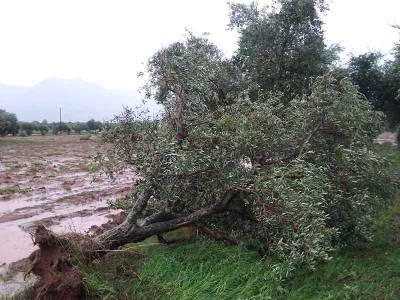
(60,121)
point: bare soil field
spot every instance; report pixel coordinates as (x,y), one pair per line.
(47,180)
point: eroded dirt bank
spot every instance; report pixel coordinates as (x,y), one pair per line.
(47,180)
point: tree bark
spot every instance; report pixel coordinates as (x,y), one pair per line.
(134,229)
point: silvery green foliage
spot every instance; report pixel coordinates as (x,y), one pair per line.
(194,70)
(281,47)
(306,176)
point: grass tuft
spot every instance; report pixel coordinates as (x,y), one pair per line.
(10,190)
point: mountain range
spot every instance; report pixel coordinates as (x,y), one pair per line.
(79,100)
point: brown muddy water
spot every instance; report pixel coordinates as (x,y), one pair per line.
(46,180)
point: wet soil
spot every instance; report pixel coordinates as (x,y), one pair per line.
(47,180)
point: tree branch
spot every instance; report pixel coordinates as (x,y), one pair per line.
(266,208)
(218,235)
(130,232)
(300,152)
(307,140)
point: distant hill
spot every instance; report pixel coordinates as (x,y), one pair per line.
(78,99)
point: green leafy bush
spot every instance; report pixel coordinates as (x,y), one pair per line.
(8,123)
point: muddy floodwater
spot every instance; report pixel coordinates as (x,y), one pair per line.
(47,180)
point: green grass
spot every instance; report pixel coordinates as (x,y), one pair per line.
(189,270)
(205,269)
(39,165)
(13,190)
(202,270)
(211,270)
(111,277)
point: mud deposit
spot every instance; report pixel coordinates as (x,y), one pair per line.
(47,180)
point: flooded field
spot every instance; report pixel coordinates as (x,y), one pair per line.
(47,180)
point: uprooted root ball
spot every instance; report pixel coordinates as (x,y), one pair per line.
(54,263)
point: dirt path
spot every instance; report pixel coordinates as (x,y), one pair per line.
(46,180)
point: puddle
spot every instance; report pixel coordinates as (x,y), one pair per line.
(15,244)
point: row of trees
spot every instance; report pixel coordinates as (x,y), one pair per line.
(9,125)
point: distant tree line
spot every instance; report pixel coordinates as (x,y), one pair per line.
(9,125)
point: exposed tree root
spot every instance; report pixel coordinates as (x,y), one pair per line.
(59,279)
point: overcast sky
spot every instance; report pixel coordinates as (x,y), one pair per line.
(106,41)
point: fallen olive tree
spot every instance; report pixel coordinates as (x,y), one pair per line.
(294,178)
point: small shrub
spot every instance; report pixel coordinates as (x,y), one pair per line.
(22,133)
